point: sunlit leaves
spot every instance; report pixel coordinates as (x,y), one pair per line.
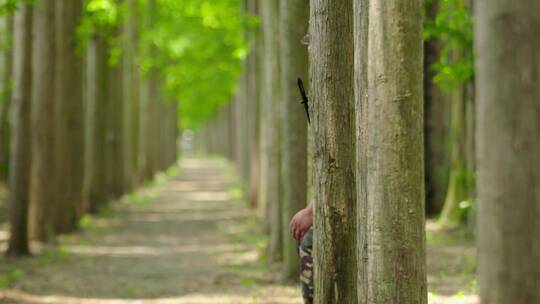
(9,6)
(100,17)
(200,49)
(453,26)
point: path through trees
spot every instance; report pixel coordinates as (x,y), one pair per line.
(189,240)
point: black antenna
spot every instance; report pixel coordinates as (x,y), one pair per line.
(305,100)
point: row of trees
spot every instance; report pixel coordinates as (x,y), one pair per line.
(370,105)
(88,122)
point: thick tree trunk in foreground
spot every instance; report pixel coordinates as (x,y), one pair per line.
(332,99)
(20,163)
(294,19)
(361,36)
(69,117)
(270,125)
(508,150)
(43,199)
(395,164)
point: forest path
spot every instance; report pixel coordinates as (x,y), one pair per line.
(187,240)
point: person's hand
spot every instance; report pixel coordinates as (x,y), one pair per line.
(301,222)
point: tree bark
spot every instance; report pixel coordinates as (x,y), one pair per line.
(508,150)
(253,108)
(294,19)
(114,158)
(131,95)
(270,125)
(457,180)
(361,36)
(95,167)
(6,102)
(436,109)
(149,105)
(43,196)
(20,162)
(395,163)
(69,117)
(331,54)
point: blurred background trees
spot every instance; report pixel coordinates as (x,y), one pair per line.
(99,91)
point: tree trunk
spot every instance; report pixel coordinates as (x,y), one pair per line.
(20,162)
(395,163)
(508,150)
(270,124)
(95,167)
(294,19)
(253,109)
(436,111)
(149,105)
(361,36)
(457,181)
(6,102)
(131,95)
(43,196)
(331,54)
(69,117)
(114,158)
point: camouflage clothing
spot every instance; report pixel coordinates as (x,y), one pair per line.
(306,266)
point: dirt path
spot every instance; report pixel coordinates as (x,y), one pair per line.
(190,240)
(193,243)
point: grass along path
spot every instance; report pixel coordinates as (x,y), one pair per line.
(189,239)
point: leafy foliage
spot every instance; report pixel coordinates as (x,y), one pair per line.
(100,18)
(453,26)
(9,6)
(198,47)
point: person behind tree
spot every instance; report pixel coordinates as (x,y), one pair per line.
(301,228)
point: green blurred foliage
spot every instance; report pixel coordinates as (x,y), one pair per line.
(199,49)
(453,27)
(196,46)
(9,6)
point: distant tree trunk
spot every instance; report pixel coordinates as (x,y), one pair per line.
(20,162)
(435,124)
(331,54)
(131,95)
(43,196)
(144,130)
(395,163)
(270,124)
(114,158)
(262,208)
(241,130)
(69,117)
(294,19)
(6,102)
(361,36)
(253,109)
(457,181)
(508,150)
(96,80)
(149,105)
